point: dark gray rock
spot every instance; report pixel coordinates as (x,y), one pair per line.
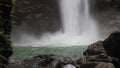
(107,50)
(15,63)
(54,61)
(112,47)
(42,61)
(95,49)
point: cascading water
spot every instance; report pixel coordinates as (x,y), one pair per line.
(78,26)
(76,18)
(71,16)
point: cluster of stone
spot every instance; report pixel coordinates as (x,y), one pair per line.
(100,54)
(54,61)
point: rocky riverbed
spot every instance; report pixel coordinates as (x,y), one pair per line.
(101,54)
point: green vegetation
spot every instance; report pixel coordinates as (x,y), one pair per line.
(26,52)
(5,31)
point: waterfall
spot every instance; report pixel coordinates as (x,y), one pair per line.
(77,21)
(79,28)
(75,17)
(70,16)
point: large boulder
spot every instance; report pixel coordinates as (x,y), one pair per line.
(95,49)
(112,45)
(108,48)
(105,65)
(15,63)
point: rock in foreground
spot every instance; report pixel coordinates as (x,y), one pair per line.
(54,61)
(101,54)
(108,49)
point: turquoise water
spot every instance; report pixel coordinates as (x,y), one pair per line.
(26,52)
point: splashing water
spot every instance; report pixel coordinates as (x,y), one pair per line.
(78,26)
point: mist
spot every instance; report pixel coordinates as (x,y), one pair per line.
(39,23)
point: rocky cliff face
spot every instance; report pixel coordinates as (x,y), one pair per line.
(37,17)
(107,15)
(100,5)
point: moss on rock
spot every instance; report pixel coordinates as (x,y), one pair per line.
(5,32)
